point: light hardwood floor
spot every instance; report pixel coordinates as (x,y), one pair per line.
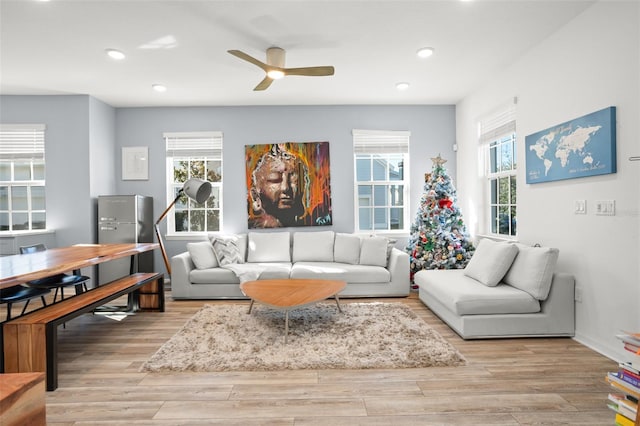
(505,382)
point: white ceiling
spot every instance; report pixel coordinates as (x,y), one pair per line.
(57,47)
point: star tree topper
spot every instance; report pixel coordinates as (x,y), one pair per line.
(438,161)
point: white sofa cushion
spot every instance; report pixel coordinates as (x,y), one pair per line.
(466,296)
(347,249)
(202,254)
(373,251)
(340,271)
(228,249)
(268,247)
(532,270)
(313,246)
(491,261)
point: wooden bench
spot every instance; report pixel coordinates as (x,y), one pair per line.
(31,341)
(22,399)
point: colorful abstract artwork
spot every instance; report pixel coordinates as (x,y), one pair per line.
(288,184)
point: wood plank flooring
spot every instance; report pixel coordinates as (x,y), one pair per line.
(505,382)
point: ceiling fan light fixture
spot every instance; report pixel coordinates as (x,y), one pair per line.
(425,52)
(115,54)
(403,85)
(275,74)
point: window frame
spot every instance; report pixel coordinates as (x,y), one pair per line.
(23,144)
(494,185)
(391,147)
(191,150)
(496,132)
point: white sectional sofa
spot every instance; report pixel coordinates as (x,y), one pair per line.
(370,265)
(506,290)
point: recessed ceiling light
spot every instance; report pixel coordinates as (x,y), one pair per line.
(159,87)
(402,85)
(115,54)
(425,52)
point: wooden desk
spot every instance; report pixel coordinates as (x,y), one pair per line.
(20,268)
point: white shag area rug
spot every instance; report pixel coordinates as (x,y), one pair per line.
(365,335)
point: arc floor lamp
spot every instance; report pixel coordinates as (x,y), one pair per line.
(195,189)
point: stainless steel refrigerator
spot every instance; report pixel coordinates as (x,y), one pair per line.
(125,219)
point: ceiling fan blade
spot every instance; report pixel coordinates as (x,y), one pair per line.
(248,58)
(310,71)
(264,84)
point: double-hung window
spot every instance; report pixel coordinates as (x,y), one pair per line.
(22,179)
(381,180)
(194,155)
(498,140)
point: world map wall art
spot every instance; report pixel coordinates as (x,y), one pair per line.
(288,184)
(585,146)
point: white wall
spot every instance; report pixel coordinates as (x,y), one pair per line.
(67,172)
(102,122)
(590,64)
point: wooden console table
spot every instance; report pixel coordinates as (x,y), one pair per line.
(29,342)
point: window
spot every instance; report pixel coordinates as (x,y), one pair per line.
(381,183)
(194,155)
(22,180)
(498,139)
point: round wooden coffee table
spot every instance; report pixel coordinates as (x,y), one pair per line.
(288,294)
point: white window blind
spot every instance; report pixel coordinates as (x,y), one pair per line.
(194,144)
(381,141)
(498,124)
(22,141)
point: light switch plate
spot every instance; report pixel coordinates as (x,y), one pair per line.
(580,207)
(606,207)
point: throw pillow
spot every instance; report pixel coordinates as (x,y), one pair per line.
(313,246)
(491,261)
(227,249)
(347,249)
(373,251)
(532,270)
(242,244)
(202,255)
(391,243)
(269,247)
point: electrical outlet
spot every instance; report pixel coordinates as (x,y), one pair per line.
(578,295)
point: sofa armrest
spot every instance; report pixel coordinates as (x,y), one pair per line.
(398,267)
(560,303)
(181,266)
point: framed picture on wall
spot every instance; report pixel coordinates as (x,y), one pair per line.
(288,184)
(135,163)
(584,146)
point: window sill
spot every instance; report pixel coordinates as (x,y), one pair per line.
(394,233)
(498,237)
(187,237)
(13,234)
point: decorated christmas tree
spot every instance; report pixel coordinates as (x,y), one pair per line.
(439,239)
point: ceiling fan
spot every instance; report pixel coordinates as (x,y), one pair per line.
(275,69)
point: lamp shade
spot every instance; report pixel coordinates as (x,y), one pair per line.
(197,189)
